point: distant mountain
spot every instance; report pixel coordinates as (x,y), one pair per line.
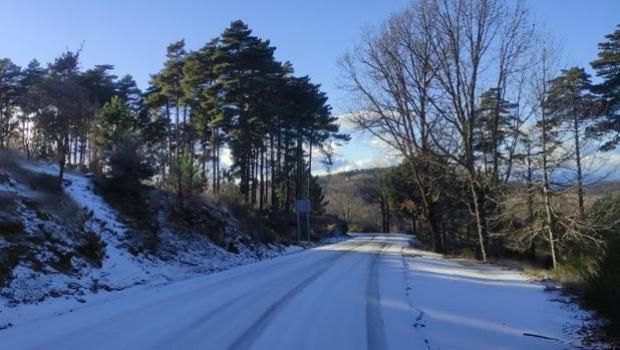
(603,188)
(351,175)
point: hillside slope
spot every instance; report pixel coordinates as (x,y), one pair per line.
(69,245)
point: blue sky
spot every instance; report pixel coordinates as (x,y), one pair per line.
(133,34)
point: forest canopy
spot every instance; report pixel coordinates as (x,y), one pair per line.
(231,94)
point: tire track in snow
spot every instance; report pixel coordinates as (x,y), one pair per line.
(271,266)
(375,333)
(170,341)
(268,265)
(253,332)
(178,300)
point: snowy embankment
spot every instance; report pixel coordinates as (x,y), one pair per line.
(36,294)
(489,307)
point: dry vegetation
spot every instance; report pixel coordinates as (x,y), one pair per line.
(40,226)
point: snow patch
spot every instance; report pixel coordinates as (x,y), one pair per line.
(50,293)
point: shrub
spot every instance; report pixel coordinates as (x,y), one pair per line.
(185,177)
(11,224)
(62,263)
(603,291)
(41,182)
(231,247)
(229,194)
(9,159)
(92,249)
(127,165)
(126,168)
(467,253)
(10,256)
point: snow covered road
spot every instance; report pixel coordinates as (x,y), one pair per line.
(370,292)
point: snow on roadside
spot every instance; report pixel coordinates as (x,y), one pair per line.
(454,302)
(120,269)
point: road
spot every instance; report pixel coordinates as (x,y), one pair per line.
(370,292)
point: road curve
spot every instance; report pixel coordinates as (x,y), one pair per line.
(364,293)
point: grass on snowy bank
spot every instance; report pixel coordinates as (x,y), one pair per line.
(146,209)
(41,226)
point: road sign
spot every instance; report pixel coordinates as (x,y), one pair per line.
(302,206)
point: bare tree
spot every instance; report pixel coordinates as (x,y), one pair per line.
(390,74)
(452,85)
(418,80)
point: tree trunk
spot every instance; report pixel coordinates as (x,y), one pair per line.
(382,207)
(300,171)
(309,164)
(177,134)
(1,127)
(549,219)
(387,217)
(285,177)
(261,193)
(254,175)
(578,163)
(546,192)
(478,217)
(428,209)
(273,173)
(217,162)
(63,145)
(203,164)
(530,185)
(82,150)
(73,160)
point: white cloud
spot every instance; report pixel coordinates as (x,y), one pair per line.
(346,121)
(342,165)
(377,142)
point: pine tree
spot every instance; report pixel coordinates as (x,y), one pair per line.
(572,105)
(10,76)
(316,196)
(100,85)
(128,164)
(62,105)
(233,92)
(31,77)
(114,120)
(198,81)
(244,65)
(169,80)
(166,97)
(127,90)
(493,127)
(607,67)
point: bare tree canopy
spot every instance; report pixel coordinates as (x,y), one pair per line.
(454,86)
